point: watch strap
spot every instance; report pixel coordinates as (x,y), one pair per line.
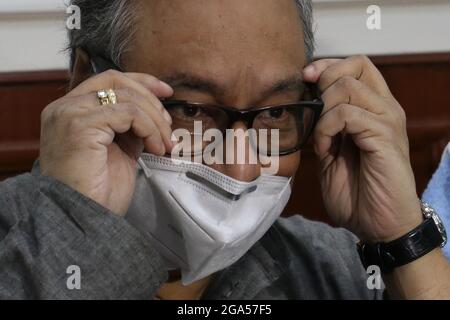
(415,244)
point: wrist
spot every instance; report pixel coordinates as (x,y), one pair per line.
(401,230)
(418,279)
(400,249)
(398,226)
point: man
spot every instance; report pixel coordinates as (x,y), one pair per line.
(246,54)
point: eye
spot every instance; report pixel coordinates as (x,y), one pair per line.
(278,114)
(186,112)
(190,111)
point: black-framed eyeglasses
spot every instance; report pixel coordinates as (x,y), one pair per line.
(293,123)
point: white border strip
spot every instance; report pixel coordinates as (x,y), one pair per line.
(339,1)
(51,6)
(31,6)
(43,6)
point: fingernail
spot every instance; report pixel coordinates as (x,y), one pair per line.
(310,70)
(165,85)
(167,117)
(162,149)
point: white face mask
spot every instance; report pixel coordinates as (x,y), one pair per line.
(199,219)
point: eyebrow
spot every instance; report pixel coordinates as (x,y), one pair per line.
(293,83)
(188,81)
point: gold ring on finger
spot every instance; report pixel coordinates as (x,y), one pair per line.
(112,96)
(103,97)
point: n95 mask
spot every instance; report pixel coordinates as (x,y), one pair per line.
(200,220)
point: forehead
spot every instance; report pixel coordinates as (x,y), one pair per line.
(235,42)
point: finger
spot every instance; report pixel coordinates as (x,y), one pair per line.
(162,119)
(361,124)
(152,106)
(313,71)
(130,144)
(121,118)
(158,87)
(115,80)
(348,90)
(91,101)
(118,80)
(358,67)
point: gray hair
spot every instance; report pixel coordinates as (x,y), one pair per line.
(108,28)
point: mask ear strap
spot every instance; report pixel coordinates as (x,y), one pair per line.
(100,64)
(141,164)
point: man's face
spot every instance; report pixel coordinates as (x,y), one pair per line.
(234,53)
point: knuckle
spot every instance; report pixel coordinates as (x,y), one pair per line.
(402,115)
(74,124)
(55,112)
(348,83)
(46,114)
(143,99)
(132,109)
(390,132)
(397,115)
(345,112)
(154,102)
(319,130)
(362,115)
(128,94)
(111,73)
(342,111)
(158,105)
(363,59)
(326,76)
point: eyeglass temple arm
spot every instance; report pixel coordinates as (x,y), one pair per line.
(100,64)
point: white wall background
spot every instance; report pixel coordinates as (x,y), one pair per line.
(33,34)
(408,26)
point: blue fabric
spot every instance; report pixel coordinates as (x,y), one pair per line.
(437,193)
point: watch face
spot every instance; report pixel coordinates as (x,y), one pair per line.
(429,212)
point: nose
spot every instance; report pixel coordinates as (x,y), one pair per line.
(241,161)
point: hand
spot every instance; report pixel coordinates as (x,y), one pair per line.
(94,148)
(361,140)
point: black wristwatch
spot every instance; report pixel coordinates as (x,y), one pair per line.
(415,244)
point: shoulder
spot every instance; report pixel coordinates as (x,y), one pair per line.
(318,235)
(15,190)
(16,197)
(318,243)
(323,258)
(24,181)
